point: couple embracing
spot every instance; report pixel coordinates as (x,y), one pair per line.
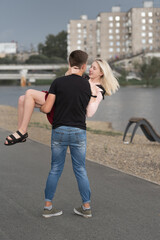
(73,97)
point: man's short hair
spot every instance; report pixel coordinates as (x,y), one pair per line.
(78,58)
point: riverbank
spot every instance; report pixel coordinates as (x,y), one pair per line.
(104,145)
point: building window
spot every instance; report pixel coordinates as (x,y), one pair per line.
(117,18)
(117,37)
(117,31)
(79,30)
(118,43)
(110,31)
(118,24)
(78,25)
(78,41)
(150,34)
(110,49)
(111,43)
(150,20)
(143,41)
(110,37)
(111,24)
(79,47)
(143,20)
(143,14)
(79,35)
(118,49)
(143,28)
(150,14)
(150,41)
(143,34)
(110,18)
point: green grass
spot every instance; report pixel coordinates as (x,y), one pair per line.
(40,125)
(100,132)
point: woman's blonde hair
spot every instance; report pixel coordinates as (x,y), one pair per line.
(109,82)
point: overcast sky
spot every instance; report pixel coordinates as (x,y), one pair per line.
(30,21)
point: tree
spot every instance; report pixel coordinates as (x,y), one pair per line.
(149,71)
(55,46)
(37,59)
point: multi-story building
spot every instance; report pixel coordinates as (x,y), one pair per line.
(82,36)
(114,34)
(143,28)
(8,48)
(111,33)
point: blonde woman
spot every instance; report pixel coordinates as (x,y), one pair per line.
(102,82)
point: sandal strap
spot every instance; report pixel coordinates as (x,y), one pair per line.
(12,137)
(19,133)
(22,136)
(9,140)
(12,140)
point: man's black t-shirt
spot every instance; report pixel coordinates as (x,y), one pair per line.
(72,97)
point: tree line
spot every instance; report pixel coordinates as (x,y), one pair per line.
(54,50)
(148,71)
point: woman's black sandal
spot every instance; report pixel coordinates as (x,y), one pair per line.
(14,140)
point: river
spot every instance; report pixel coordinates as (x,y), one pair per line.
(126,103)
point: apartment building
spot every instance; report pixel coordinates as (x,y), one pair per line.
(115,34)
(111,33)
(82,36)
(143,29)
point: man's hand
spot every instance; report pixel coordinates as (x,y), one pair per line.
(47,106)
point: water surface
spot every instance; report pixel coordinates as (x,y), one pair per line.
(126,103)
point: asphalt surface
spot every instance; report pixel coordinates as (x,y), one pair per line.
(123,207)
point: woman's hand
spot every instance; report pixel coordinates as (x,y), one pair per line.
(72,70)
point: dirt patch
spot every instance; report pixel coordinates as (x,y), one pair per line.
(104,145)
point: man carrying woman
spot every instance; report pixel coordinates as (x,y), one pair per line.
(74,98)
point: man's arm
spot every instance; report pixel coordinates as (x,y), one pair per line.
(47,106)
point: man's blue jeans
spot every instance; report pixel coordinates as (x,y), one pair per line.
(75,138)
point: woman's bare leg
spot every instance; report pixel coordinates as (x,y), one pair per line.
(26,104)
(20,109)
(33,98)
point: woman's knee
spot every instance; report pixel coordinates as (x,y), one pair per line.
(37,96)
(21,100)
(29,92)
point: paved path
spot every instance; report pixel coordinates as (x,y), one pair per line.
(124,207)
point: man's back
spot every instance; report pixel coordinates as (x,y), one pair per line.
(72,96)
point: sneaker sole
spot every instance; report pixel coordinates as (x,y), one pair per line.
(52,215)
(81,214)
